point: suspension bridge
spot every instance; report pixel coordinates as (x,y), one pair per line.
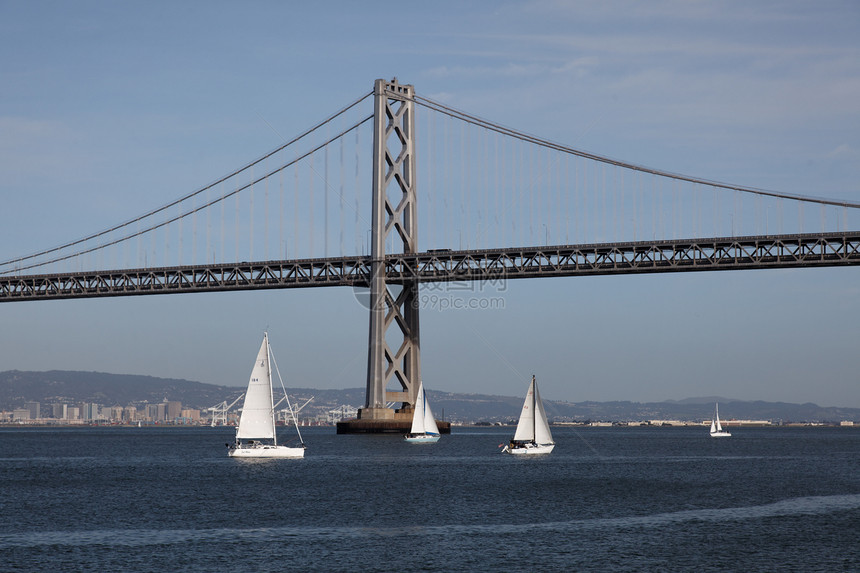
(341,205)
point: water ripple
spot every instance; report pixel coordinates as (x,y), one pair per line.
(815,505)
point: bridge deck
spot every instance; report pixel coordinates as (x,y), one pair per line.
(757,252)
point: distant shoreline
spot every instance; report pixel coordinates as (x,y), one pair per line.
(581,425)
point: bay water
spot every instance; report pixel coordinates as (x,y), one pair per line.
(607,499)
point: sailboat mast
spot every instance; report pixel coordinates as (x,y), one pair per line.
(271,396)
(534,412)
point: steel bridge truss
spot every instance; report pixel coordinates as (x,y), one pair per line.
(393,350)
(762,252)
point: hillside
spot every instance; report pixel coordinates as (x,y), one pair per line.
(73,387)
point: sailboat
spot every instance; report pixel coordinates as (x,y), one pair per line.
(532,435)
(424,429)
(256,436)
(717,430)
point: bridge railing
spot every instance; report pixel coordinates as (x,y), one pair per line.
(489,266)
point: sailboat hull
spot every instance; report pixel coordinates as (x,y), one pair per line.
(532,435)
(717,430)
(422,438)
(530,449)
(256,435)
(266,452)
(424,429)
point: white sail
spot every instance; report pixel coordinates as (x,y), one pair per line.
(257,421)
(418,414)
(532,435)
(542,433)
(526,427)
(429,420)
(423,421)
(717,428)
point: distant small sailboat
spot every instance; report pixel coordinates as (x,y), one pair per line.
(256,435)
(532,435)
(716,428)
(424,429)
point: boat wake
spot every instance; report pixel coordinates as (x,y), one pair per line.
(815,505)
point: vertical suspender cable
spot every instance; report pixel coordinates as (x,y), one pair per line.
(325,198)
(545,198)
(311,203)
(429,192)
(179,235)
(485,158)
(464,184)
(447,215)
(167,245)
(236,231)
(675,215)
(716,212)
(614,203)
(251,219)
(281,247)
(356,226)
(740,213)
(604,215)
(661,209)
(800,214)
(560,213)
(585,214)
(499,217)
(194,260)
(296,252)
(566,200)
(530,190)
(622,221)
(471,209)
(340,203)
(521,216)
(436,181)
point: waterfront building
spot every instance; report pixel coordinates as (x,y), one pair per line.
(89,411)
(60,411)
(174,410)
(21,414)
(190,414)
(151,412)
(35,410)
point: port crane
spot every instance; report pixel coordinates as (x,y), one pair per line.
(286,414)
(219,411)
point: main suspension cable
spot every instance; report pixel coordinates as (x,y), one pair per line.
(463,116)
(190,195)
(195,210)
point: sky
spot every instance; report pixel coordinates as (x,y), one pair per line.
(110,109)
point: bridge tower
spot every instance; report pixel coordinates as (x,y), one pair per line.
(394,341)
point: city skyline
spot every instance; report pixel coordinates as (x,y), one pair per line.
(462,409)
(111,110)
